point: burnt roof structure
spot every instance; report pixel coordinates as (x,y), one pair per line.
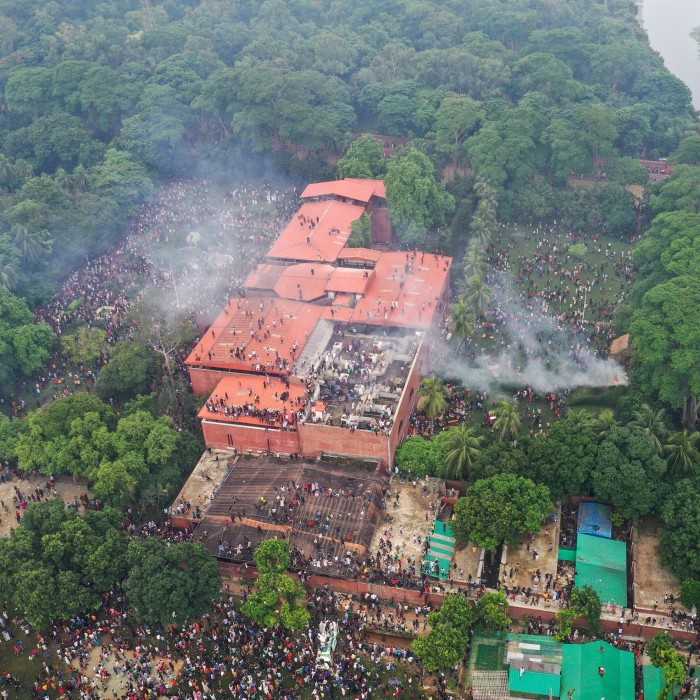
(301,501)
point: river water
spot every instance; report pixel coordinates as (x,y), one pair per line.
(668,24)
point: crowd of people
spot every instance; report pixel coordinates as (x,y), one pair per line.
(196,272)
(107,655)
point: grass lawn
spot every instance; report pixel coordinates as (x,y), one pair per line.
(522,242)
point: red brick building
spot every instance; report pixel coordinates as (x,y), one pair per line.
(326,351)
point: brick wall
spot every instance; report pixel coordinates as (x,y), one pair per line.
(409,399)
(316,438)
(204,381)
(249,438)
(381,226)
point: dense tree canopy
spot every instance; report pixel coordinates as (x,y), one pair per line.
(170,583)
(501,509)
(57,564)
(564,458)
(97,107)
(680,538)
(628,473)
(123,458)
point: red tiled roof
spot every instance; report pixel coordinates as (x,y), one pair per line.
(343,299)
(304,282)
(321,241)
(276,325)
(264,276)
(366,254)
(358,189)
(414,292)
(252,393)
(349,280)
(378,186)
(339,314)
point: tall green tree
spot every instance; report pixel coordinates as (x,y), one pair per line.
(462,446)
(433,397)
(491,613)
(417,202)
(364,158)
(682,452)
(629,473)
(57,564)
(170,583)
(507,420)
(501,509)
(564,458)
(680,538)
(652,424)
(665,340)
(463,321)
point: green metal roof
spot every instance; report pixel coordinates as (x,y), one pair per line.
(602,564)
(580,672)
(653,682)
(533,683)
(567,554)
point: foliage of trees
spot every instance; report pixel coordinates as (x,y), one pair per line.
(123,457)
(450,628)
(491,613)
(364,159)
(56,564)
(628,472)
(564,458)
(25,346)
(417,201)
(501,509)
(680,550)
(97,107)
(690,593)
(169,583)
(279,598)
(663,654)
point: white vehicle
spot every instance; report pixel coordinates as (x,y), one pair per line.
(327,639)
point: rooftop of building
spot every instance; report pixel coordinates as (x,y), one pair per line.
(399,289)
(304,281)
(359,190)
(256,399)
(401,293)
(359,374)
(300,501)
(257,334)
(317,233)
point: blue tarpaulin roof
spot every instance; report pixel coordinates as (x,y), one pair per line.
(595,519)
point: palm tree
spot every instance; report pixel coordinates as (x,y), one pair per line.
(64,180)
(682,452)
(474,263)
(433,398)
(7,171)
(651,422)
(604,422)
(462,445)
(8,273)
(485,191)
(507,419)
(580,417)
(31,244)
(481,231)
(477,247)
(80,178)
(463,321)
(23,171)
(478,294)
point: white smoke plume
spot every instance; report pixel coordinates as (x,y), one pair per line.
(532,348)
